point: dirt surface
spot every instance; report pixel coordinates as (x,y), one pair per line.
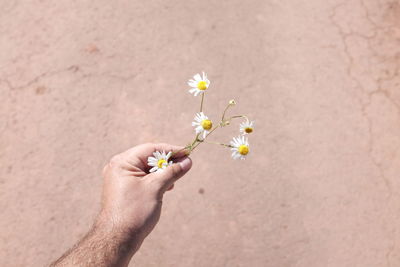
(83,80)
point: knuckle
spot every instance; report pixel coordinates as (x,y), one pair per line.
(105,169)
(115,161)
(113,166)
(175,169)
(149,144)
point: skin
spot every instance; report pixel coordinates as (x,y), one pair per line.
(131,207)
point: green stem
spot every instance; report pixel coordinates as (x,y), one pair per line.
(223,114)
(216,127)
(196,142)
(176,152)
(201,141)
(217,143)
(202,100)
(238,116)
(196,145)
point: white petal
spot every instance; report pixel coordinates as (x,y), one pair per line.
(204,76)
(192,83)
(197,77)
(153,169)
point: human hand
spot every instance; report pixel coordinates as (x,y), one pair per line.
(131,207)
(132,197)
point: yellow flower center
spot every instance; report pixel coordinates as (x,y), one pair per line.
(160,163)
(243,149)
(206,124)
(202,85)
(248,130)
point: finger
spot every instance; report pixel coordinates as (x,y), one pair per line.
(171,187)
(145,150)
(177,151)
(138,155)
(167,177)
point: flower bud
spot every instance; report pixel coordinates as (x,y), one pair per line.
(224,123)
(232,102)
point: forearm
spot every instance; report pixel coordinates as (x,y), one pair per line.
(104,246)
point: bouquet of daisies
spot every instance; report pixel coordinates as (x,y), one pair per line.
(204,127)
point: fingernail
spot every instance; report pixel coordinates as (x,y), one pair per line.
(186,164)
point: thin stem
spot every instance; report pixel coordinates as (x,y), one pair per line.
(238,116)
(196,145)
(202,100)
(223,114)
(231,104)
(201,141)
(195,139)
(217,143)
(196,142)
(176,152)
(212,131)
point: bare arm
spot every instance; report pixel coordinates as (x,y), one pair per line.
(102,246)
(131,207)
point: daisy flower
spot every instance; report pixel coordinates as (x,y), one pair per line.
(240,147)
(203,124)
(199,84)
(159,161)
(247,127)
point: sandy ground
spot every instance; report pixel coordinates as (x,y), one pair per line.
(83,80)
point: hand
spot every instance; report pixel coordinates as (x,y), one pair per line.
(131,207)
(132,197)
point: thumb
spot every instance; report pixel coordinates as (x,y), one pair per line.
(168,177)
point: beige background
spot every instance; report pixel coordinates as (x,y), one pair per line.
(83,80)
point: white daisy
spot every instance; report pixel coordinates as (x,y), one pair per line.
(203,124)
(247,127)
(240,147)
(199,84)
(159,161)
